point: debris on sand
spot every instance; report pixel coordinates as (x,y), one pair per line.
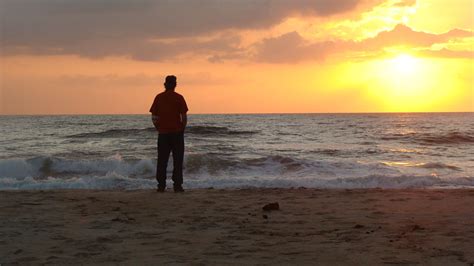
(271,206)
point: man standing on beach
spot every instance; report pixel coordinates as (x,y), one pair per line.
(169,117)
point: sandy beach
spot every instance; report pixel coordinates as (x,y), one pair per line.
(211,226)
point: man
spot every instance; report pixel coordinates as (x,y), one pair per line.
(169,117)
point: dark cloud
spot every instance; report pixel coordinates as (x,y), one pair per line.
(154,51)
(143,50)
(97,26)
(290,48)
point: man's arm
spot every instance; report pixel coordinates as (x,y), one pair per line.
(184,120)
(154,112)
(155,119)
(183,111)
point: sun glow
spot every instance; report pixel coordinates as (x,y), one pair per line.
(408,83)
(404,76)
(405,65)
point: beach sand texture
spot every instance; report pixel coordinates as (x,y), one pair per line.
(211,226)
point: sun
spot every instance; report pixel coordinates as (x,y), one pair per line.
(404,82)
(404,75)
(404,65)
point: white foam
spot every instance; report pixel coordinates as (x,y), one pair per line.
(47,166)
(113,181)
(273,171)
(109,181)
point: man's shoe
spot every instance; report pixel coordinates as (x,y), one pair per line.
(160,189)
(178,189)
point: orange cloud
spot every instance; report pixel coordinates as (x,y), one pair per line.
(293,48)
(447,53)
(404,35)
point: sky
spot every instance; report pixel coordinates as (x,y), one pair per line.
(237,56)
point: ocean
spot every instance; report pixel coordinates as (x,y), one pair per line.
(409,150)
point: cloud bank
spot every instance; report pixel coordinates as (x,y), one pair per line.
(157,30)
(52,22)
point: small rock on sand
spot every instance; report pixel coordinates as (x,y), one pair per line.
(271,206)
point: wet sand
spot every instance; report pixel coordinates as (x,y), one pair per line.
(210,226)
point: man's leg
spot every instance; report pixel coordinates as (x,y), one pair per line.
(164,148)
(178,157)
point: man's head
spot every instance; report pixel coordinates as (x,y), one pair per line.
(170,82)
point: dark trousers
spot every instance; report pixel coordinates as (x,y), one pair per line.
(170,142)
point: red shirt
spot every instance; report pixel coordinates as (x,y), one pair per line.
(169,106)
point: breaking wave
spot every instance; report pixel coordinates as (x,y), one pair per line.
(43,167)
(209,170)
(215,130)
(439,166)
(113,133)
(196,130)
(431,138)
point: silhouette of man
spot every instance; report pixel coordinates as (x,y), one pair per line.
(168,113)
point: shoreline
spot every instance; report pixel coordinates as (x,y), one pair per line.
(228,226)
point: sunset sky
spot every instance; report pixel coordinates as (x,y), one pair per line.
(237,56)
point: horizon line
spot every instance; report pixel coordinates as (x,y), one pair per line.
(265,113)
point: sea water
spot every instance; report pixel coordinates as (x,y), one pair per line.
(410,150)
